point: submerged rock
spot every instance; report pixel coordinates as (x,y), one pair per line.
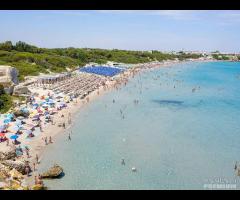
(54,172)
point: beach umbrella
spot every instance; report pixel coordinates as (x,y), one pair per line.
(28,132)
(20,118)
(36,116)
(2,134)
(13,129)
(9,115)
(35,105)
(2,128)
(6,121)
(18,122)
(14,137)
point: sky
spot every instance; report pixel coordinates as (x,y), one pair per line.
(163,30)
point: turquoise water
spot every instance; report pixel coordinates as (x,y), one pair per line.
(177,138)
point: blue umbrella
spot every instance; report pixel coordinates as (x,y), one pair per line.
(6,121)
(2,127)
(9,115)
(18,122)
(14,137)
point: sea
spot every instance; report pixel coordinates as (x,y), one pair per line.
(178,126)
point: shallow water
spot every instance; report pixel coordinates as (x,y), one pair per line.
(183,133)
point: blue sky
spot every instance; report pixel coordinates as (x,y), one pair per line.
(163,30)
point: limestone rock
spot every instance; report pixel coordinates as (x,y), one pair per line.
(38,187)
(19,90)
(3,185)
(4,172)
(18,165)
(8,155)
(15,174)
(54,172)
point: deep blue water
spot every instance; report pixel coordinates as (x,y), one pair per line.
(183,133)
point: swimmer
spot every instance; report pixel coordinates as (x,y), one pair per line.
(123,161)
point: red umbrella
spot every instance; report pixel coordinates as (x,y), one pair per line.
(2,134)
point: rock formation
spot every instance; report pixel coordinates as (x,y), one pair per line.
(54,172)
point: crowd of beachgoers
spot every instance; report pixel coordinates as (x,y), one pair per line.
(31,126)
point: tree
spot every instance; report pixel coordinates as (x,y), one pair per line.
(7,46)
(22,46)
(2,91)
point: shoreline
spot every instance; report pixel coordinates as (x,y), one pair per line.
(37,145)
(74,109)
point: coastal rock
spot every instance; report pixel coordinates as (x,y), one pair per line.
(18,165)
(54,172)
(3,185)
(15,174)
(4,172)
(8,155)
(20,89)
(15,185)
(38,187)
(21,113)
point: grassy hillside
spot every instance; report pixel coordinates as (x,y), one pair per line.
(31,60)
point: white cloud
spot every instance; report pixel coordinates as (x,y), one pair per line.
(173,14)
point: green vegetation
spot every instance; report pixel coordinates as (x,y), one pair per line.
(32,60)
(220,57)
(5,100)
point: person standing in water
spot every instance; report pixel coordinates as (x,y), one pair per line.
(69,137)
(236,166)
(123,161)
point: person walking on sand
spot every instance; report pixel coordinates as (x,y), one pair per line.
(36,180)
(37,159)
(34,167)
(45,139)
(7,142)
(50,139)
(27,153)
(27,170)
(64,126)
(69,118)
(40,126)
